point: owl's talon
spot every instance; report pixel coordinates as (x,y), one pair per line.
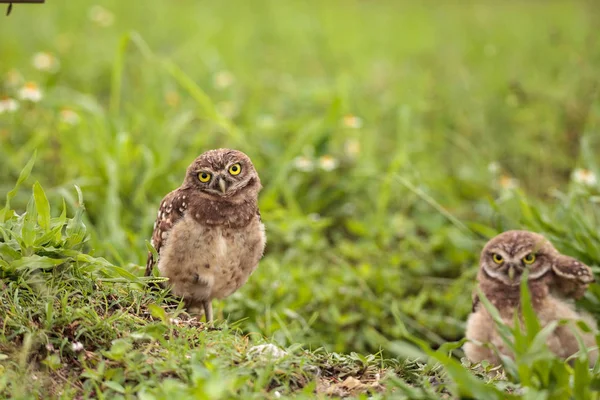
(208,311)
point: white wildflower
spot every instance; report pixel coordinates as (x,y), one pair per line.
(304,164)
(8,105)
(46,62)
(493,167)
(69,116)
(508,183)
(584,177)
(276,394)
(101,16)
(30,91)
(328,163)
(352,121)
(223,79)
(76,347)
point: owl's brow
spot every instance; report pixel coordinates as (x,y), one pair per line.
(498,250)
(527,248)
(203,168)
(234,161)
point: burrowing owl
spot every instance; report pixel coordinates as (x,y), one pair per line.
(553,279)
(208,233)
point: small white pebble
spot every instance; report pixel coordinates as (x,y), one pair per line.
(76,346)
(267,351)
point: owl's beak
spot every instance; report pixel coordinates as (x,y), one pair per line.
(222,185)
(511,273)
(513,268)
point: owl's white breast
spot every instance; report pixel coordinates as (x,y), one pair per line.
(220,243)
(220,258)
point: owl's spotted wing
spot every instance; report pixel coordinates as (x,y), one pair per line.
(475,303)
(171,210)
(573,276)
(572,269)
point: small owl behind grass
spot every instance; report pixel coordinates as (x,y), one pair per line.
(208,234)
(553,280)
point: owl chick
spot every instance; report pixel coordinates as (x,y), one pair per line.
(553,279)
(208,234)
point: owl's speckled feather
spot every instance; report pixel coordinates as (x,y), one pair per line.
(553,280)
(209,235)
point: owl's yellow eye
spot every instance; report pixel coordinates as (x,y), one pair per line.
(497,258)
(235,169)
(204,177)
(529,258)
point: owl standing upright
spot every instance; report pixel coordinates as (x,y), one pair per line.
(208,233)
(553,279)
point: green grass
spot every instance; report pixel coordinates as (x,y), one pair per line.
(453,100)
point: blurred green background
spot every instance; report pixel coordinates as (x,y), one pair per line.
(393,138)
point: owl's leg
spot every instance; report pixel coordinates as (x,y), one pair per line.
(208,311)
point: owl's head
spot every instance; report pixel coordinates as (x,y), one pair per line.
(508,255)
(223,173)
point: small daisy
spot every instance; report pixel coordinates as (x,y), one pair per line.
(328,163)
(76,347)
(584,177)
(314,217)
(352,148)
(508,183)
(493,167)
(46,62)
(352,121)
(8,105)
(223,79)
(304,164)
(14,78)
(101,16)
(30,91)
(69,116)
